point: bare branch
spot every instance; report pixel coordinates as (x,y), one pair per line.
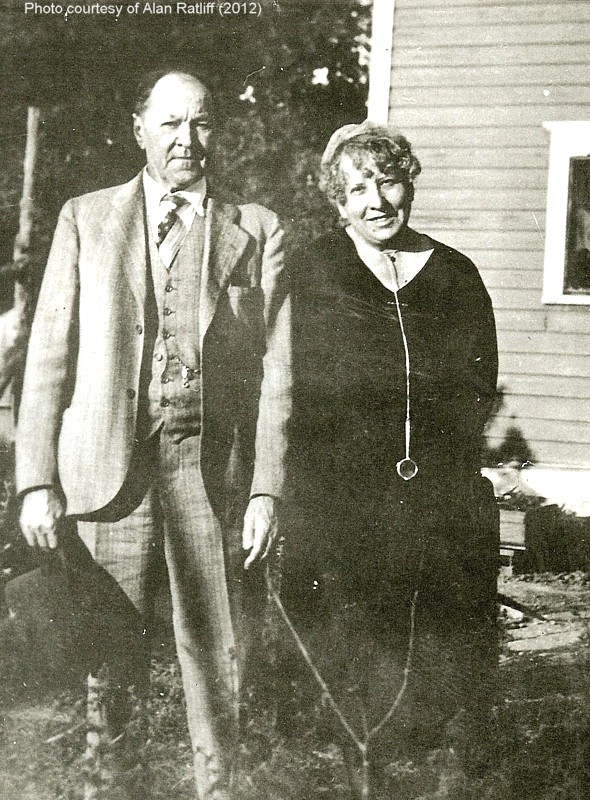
(369,734)
(407,670)
(324,686)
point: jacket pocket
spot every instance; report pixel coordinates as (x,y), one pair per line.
(246,302)
(246,307)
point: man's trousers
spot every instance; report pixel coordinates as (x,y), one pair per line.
(172,514)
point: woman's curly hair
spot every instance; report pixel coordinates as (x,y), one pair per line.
(391,154)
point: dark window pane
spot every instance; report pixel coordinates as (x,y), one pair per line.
(577,260)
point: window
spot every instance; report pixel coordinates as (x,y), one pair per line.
(567,244)
(577,243)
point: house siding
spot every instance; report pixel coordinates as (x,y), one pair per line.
(472,83)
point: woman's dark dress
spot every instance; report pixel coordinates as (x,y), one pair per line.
(361,537)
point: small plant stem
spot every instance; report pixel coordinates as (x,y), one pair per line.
(366,787)
(407,669)
(323,685)
(362,746)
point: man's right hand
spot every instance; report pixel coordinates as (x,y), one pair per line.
(41,511)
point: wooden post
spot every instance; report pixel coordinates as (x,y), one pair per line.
(15,324)
(23,239)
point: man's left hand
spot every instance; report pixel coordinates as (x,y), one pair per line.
(260,527)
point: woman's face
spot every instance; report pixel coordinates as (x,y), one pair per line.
(377,206)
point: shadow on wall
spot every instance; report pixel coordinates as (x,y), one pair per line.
(556,540)
(513,450)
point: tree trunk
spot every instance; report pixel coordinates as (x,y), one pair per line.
(15,324)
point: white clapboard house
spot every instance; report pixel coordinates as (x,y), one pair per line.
(495,98)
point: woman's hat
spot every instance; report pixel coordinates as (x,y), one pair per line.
(354,131)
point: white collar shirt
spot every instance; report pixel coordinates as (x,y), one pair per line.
(392,275)
(157,207)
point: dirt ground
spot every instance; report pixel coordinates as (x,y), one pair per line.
(560,630)
(543,722)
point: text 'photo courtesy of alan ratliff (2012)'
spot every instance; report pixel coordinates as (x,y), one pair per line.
(119,10)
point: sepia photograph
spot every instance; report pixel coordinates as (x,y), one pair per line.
(294,400)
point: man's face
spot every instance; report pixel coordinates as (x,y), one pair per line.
(376,205)
(175,129)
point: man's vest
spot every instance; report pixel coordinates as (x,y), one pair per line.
(174,391)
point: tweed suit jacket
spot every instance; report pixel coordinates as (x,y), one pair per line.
(78,414)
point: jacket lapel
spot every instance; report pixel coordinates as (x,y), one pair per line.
(225,242)
(124,244)
(124,239)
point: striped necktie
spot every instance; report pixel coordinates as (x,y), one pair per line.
(171,230)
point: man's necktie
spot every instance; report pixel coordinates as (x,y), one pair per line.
(171,230)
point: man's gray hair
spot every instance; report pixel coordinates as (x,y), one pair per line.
(148,80)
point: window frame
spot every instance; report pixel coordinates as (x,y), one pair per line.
(568,139)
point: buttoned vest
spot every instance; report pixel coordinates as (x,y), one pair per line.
(174,391)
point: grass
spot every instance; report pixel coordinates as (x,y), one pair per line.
(539,745)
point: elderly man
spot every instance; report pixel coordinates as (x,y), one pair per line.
(156,397)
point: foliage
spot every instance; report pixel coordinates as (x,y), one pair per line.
(538,746)
(519,501)
(556,541)
(277,116)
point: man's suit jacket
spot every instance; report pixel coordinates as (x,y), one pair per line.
(78,415)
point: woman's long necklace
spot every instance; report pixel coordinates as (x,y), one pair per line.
(406,467)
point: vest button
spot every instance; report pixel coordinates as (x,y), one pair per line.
(165,379)
(131,393)
(139,329)
(159,357)
(167,312)
(164,402)
(168,287)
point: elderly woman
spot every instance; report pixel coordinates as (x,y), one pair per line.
(396,362)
